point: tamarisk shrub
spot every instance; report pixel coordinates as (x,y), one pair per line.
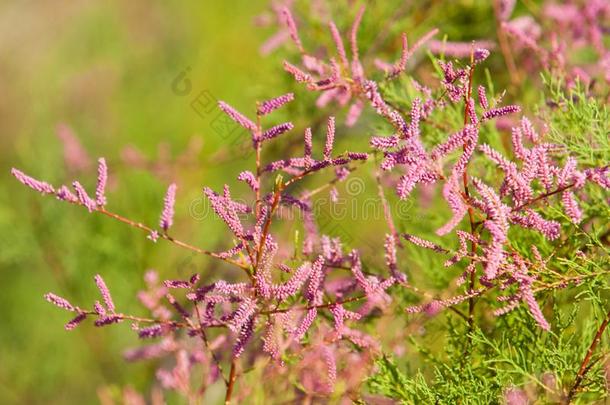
(315,305)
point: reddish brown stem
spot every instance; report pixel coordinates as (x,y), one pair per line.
(473,244)
(306,308)
(206,346)
(165,236)
(582,371)
(153,321)
(258,163)
(543,196)
(232,378)
(274,204)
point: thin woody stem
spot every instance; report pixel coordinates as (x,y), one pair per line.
(206,345)
(274,204)
(582,371)
(258,164)
(306,308)
(543,196)
(165,236)
(152,320)
(232,378)
(473,243)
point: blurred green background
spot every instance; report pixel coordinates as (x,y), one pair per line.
(106,70)
(111,71)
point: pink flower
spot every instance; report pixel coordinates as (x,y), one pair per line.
(249,178)
(571,206)
(40,186)
(237,116)
(59,302)
(268,106)
(167,215)
(276,131)
(499,112)
(330,138)
(102,177)
(83,197)
(497,224)
(101,285)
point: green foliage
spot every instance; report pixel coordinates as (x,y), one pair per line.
(578,121)
(511,351)
(479,367)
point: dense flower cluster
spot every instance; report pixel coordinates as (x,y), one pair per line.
(342,79)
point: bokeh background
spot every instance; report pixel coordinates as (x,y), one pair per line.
(130,81)
(106,71)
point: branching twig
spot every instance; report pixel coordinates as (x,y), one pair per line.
(232,378)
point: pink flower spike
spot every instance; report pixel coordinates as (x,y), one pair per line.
(277,131)
(40,186)
(480,54)
(571,206)
(305,324)
(226,210)
(101,285)
(330,138)
(167,215)
(452,195)
(237,116)
(243,337)
(499,112)
(269,106)
(356,66)
(249,178)
(401,65)
(531,219)
(530,300)
(427,36)
(599,176)
(308,147)
(529,131)
(483,98)
(83,197)
(102,177)
(384,142)
(99,308)
(59,302)
(354,113)
(339,44)
(298,74)
(390,258)
(424,243)
(65,194)
(229,253)
(496,224)
(76,321)
(292,28)
(244,313)
(331,367)
(472,113)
